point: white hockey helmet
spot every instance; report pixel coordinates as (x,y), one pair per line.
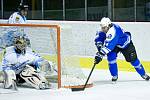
(105,22)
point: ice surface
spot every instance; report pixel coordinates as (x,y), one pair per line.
(130,86)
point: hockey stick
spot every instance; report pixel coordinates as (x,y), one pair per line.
(82,89)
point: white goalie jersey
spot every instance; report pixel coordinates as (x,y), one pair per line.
(16,62)
(25,65)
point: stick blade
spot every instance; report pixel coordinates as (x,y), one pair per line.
(77,89)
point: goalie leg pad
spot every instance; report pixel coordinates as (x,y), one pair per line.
(30,75)
(9,78)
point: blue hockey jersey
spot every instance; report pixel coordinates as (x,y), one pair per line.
(114,37)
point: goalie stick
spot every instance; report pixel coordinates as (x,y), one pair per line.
(83,88)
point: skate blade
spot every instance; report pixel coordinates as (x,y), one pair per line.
(77,89)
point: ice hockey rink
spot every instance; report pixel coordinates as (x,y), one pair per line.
(130,86)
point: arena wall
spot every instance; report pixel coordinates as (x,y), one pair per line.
(86,49)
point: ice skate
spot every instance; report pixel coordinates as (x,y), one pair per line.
(114,79)
(146,77)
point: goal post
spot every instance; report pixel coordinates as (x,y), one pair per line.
(50,42)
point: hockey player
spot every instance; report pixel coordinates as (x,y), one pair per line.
(20,16)
(21,65)
(112,40)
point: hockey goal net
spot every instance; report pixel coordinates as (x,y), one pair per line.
(54,44)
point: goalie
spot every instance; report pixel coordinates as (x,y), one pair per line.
(20,64)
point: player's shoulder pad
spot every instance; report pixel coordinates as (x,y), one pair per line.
(101,34)
(9,48)
(29,50)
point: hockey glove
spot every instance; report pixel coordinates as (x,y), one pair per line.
(98,57)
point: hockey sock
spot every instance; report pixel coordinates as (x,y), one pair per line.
(113,69)
(112,63)
(138,67)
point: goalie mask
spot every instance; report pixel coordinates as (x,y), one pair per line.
(20,44)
